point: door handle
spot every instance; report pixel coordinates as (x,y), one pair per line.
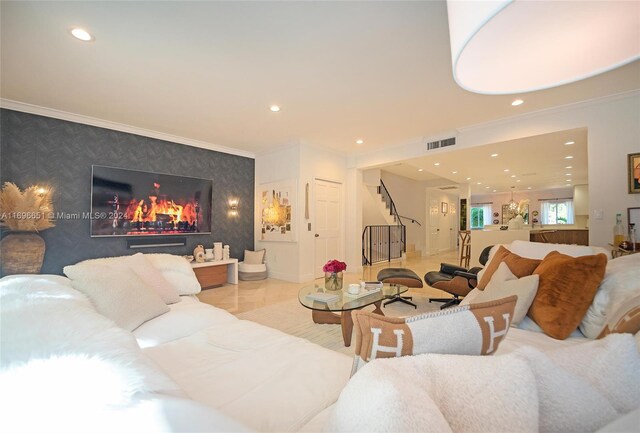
(317,235)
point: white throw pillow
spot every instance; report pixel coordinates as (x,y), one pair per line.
(621,283)
(121,296)
(503,284)
(177,271)
(154,278)
(254,257)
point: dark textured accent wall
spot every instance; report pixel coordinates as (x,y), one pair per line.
(46,151)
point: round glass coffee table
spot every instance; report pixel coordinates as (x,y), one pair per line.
(326,312)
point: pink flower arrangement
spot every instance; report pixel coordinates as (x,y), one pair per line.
(334,266)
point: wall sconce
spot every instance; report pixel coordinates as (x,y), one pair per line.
(233,206)
(444,207)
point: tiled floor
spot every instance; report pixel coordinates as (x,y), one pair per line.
(250,295)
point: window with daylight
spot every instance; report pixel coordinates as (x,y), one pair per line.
(480,215)
(557,211)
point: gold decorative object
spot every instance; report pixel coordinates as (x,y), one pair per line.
(23,213)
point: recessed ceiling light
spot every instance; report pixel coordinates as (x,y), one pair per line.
(528,187)
(517,102)
(568,157)
(468,178)
(513,175)
(567,174)
(569,166)
(420,169)
(493,155)
(274,108)
(436,163)
(569,143)
(487,187)
(505,170)
(81,34)
(518,180)
(479,183)
(567,180)
(494,190)
(359,141)
(454,172)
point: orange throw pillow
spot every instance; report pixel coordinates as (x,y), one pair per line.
(519,266)
(566,289)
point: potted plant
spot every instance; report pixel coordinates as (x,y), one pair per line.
(23,214)
(333,274)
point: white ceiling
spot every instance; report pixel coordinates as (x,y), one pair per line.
(536,162)
(209,71)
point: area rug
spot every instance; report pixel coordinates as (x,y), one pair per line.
(292,318)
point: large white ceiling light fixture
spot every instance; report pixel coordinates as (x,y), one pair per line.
(516,46)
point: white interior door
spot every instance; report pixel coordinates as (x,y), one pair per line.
(328,233)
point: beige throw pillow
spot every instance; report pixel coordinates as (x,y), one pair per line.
(254,257)
(520,266)
(475,329)
(503,284)
(154,278)
(121,296)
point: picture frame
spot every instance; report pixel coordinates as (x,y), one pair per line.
(633,216)
(634,173)
(444,207)
(278,208)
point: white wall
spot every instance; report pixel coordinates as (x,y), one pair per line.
(317,163)
(613,127)
(278,165)
(447,224)
(294,261)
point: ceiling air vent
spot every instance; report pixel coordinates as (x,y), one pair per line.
(441,143)
(448,187)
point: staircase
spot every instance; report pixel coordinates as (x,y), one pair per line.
(384,242)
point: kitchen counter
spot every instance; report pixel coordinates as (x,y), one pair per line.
(572,236)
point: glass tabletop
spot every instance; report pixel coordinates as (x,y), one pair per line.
(344,300)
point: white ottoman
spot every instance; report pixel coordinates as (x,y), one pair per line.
(247,272)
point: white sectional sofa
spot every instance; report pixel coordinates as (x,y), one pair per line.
(65,367)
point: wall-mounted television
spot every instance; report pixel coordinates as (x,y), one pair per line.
(140,203)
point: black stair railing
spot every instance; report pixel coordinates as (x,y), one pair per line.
(384,242)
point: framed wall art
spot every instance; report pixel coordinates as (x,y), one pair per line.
(278,207)
(634,173)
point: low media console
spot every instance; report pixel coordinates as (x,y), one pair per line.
(216,273)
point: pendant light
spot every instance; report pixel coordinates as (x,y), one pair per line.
(512,204)
(515,46)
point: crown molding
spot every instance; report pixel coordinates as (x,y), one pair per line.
(92,121)
(553,110)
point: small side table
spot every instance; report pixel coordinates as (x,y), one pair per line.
(216,272)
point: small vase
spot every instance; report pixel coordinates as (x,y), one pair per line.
(22,253)
(333,281)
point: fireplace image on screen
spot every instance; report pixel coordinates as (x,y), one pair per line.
(134,203)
